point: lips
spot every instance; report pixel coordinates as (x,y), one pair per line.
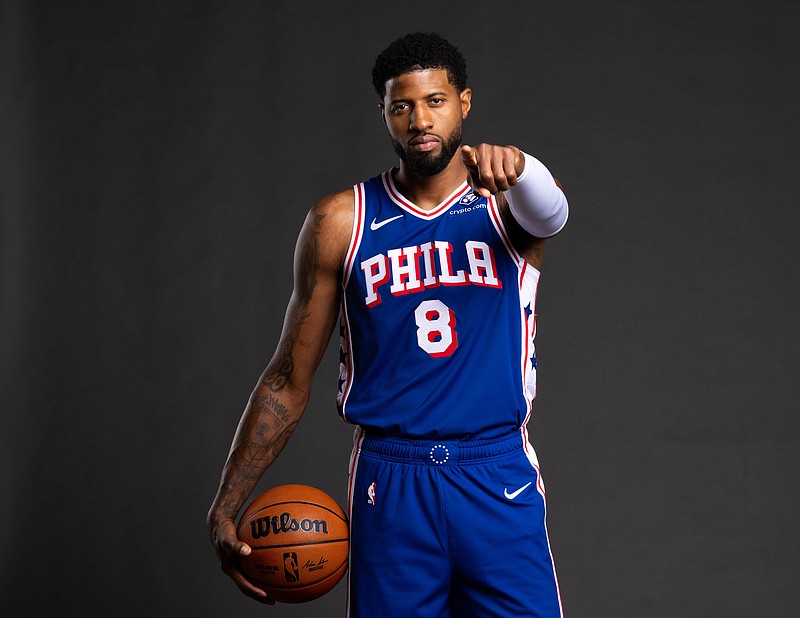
(424,143)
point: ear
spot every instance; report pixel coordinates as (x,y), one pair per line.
(466,102)
(383,112)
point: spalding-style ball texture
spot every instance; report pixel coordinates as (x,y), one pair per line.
(300,541)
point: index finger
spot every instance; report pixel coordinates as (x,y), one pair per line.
(469,156)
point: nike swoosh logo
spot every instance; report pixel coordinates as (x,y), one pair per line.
(376,226)
(514,494)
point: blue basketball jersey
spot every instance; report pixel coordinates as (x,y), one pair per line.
(438,319)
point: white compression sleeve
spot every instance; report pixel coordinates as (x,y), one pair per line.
(536,202)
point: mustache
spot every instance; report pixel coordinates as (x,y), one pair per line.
(421,137)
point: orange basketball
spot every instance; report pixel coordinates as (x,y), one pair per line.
(300,541)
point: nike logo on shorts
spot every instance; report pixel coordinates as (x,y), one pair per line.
(514,494)
(376,226)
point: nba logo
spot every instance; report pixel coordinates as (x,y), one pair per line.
(290,571)
(371,495)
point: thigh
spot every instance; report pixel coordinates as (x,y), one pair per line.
(501,552)
(399,565)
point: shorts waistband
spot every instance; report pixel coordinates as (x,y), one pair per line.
(440,452)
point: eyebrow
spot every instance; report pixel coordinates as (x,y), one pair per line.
(427,96)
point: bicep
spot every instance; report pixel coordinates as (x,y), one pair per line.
(313,308)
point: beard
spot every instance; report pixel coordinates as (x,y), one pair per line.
(427,164)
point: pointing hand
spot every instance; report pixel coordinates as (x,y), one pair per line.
(492,168)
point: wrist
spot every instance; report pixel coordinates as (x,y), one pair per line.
(220,512)
(520,165)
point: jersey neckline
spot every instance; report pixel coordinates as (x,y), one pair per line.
(410,207)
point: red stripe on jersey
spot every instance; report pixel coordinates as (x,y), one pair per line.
(355,242)
(358,229)
(497,220)
(397,198)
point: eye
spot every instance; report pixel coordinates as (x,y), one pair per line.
(436,101)
(398,108)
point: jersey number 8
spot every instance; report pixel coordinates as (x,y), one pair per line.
(436,333)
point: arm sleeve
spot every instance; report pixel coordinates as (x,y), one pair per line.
(536,201)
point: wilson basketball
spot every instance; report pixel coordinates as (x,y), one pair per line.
(300,541)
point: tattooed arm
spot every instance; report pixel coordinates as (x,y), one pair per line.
(280,397)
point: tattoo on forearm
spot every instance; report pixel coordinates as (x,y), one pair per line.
(251,458)
(269,404)
(282,439)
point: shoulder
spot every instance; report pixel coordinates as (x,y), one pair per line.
(329,224)
(335,213)
(337,203)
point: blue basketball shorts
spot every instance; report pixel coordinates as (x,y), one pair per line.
(448,529)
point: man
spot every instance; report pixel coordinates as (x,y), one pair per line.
(434,268)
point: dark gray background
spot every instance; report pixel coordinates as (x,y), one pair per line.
(158,159)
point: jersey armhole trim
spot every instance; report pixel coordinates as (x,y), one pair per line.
(497,221)
(358,232)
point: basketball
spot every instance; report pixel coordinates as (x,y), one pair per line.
(300,541)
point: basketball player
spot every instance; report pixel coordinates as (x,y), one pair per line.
(432,270)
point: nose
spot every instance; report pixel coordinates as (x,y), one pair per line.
(420,119)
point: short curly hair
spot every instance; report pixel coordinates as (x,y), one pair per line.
(415,52)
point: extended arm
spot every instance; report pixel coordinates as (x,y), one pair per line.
(535,199)
(281,395)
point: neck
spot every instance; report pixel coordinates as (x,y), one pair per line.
(427,192)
